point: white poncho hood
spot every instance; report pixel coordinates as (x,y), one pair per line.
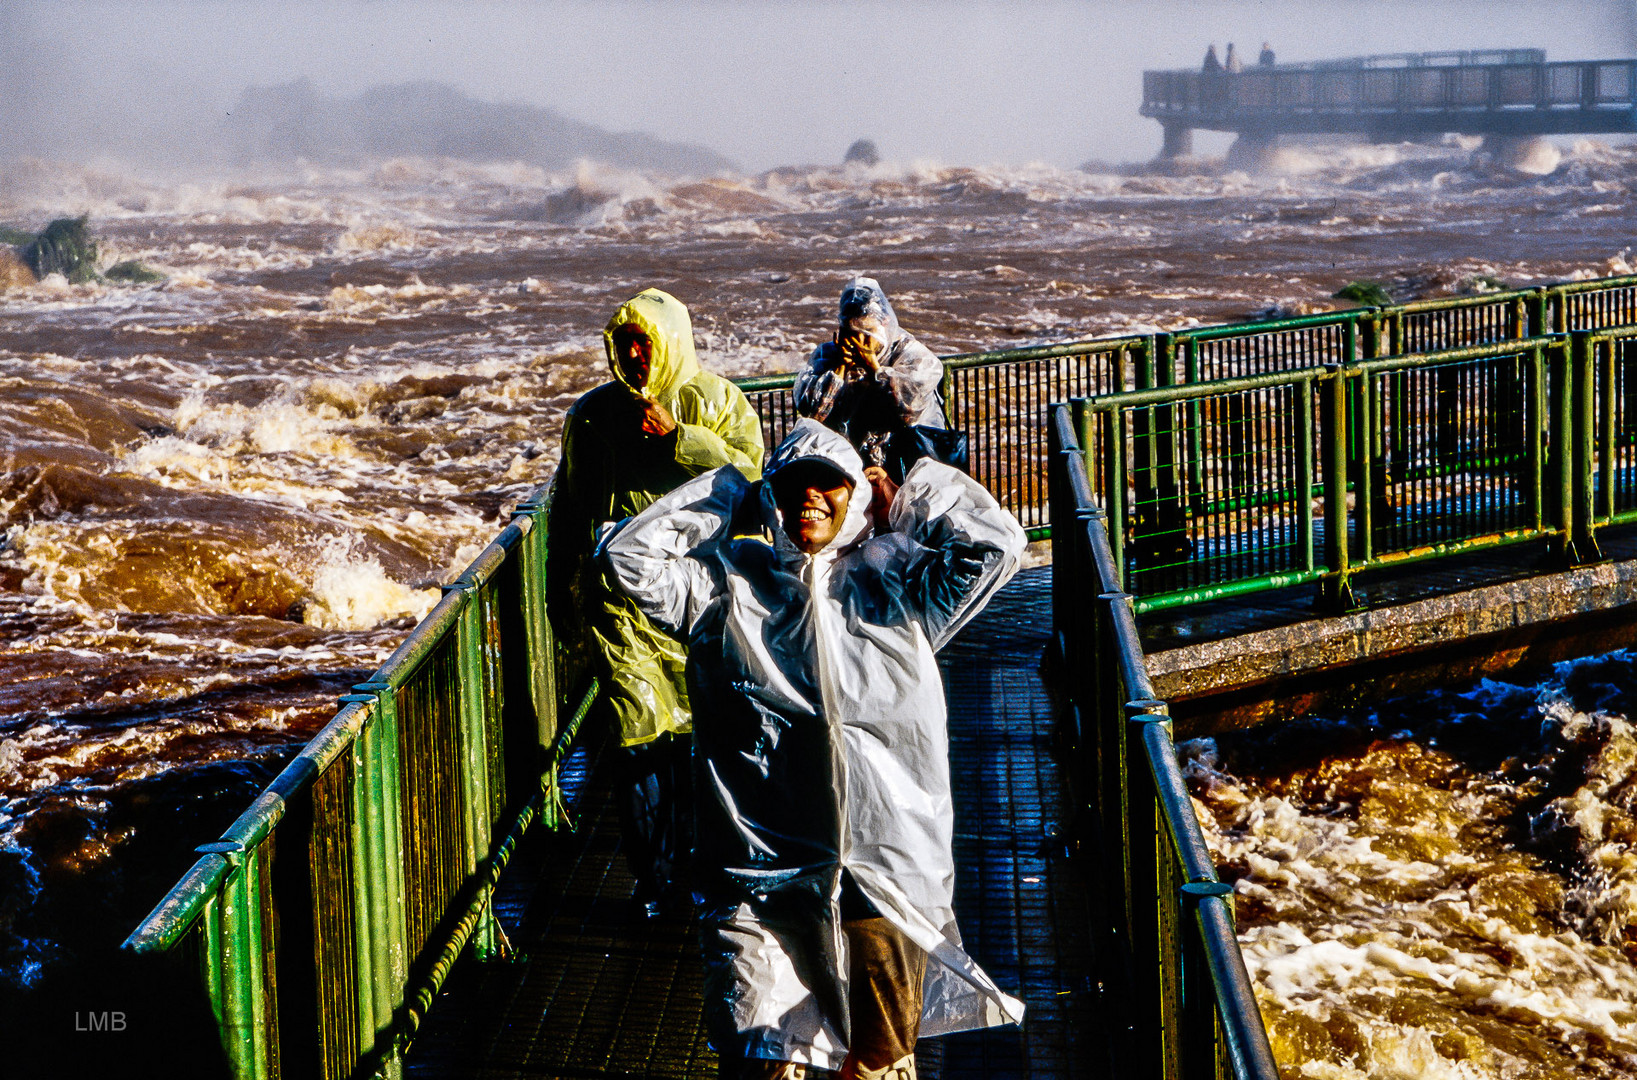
(820,728)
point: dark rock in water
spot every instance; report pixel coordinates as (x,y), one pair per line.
(132,272)
(568,207)
(65,247)
(863,152)
(283,123)
(1368,293)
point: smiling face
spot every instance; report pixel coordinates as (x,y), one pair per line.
(812,499)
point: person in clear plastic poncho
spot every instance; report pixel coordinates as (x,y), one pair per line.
(873,380)
(660,422)
(824,818)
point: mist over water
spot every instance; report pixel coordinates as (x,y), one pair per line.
(973,82)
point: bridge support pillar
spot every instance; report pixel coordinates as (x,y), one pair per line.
(1179,142)
(1252,150)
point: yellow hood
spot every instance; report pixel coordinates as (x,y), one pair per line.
(665,320)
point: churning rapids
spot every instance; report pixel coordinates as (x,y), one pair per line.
(225,497)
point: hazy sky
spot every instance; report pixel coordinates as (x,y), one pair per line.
(765,83)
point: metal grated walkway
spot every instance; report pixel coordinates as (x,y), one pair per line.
(600,992)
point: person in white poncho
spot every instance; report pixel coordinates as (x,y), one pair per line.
(824,816)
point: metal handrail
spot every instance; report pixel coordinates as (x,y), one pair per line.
(406,824)
(1188,997)
(1213,484)
(347,783)
(1008,451)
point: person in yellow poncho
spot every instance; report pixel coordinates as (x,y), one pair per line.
(660,422)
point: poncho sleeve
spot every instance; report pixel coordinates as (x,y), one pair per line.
(650,556)
(716,426)
(820,382)
(969,546)
(913,373)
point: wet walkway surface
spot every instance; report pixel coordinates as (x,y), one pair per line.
(602,992)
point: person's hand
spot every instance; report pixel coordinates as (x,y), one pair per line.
(857,351)
(882,493)
(655,418)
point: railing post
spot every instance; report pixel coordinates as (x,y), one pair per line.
(1618,405)
(236,951)
(1560,437)
(1114,488)
(1306,452)
(1585,455)
(1369,483)
(478,693)
(1159,539)
(1535,314)
(1204,1051)
(378,877)
(1144,849)
(542,647)
(1337,590)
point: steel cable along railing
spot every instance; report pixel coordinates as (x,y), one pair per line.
(1188,998)
(328,915)
(1238,485)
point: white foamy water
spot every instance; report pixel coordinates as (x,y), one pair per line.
(1447,890)
(226,496)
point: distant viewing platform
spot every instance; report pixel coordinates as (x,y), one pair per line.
(1505,92)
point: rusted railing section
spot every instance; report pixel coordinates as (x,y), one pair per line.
(325,919)
(1187,997)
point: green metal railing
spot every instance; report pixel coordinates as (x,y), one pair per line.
(1187,999)
(326,918)
(1606,374)
(999,398)
(1233,486)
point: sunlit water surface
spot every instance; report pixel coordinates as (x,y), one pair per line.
(224,498)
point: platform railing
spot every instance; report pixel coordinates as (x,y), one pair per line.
(1187,996)
(999,398)
(1239,485)
(325,919)
(1605,372)
(1493,87)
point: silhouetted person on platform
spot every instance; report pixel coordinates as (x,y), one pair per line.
(1212,64)
(1233,63)
(1266,57)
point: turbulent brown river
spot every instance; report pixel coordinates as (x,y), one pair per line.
(225,497)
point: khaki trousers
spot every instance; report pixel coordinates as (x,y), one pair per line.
(885,970)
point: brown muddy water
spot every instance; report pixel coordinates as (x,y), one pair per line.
(225,497)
